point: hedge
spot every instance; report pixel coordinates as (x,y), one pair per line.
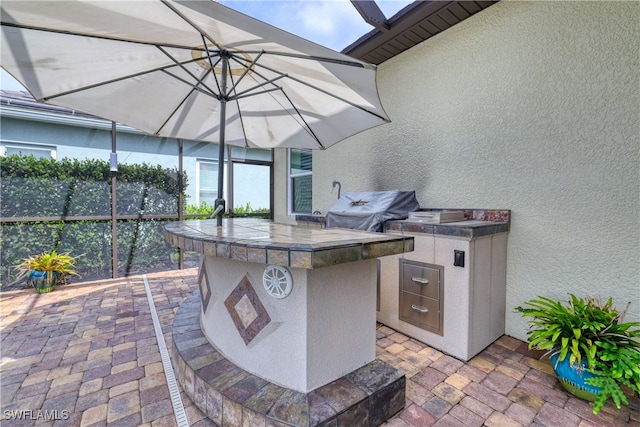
(32,187)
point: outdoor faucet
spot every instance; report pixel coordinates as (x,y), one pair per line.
(339,187)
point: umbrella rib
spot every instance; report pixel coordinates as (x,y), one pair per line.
(206,49)
(250,92)
(89,35)
(175,110)
(258,84)
(244,131)
(315,58)
(246,70)
(115,80)
(326,92)
(190,22)
(244,94)
(200,81)
(211,64)
(194,87)
(306,125)
(106,82)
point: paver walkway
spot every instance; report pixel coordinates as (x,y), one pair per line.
(87,355)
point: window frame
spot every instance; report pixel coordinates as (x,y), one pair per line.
(17,145)
(292,176)
(199,162)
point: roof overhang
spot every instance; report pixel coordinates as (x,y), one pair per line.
(413,24)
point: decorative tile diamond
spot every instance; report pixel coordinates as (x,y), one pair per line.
(246,310)
(205,287)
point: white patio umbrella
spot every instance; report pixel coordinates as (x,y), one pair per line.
(188,69)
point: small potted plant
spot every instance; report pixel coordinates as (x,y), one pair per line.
(46,270)
(594,353)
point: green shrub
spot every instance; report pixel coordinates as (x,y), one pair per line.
(247,209)
(41,187)
(205,210)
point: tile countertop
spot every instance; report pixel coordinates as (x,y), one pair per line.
(266,242)
(479,222)
(470,229)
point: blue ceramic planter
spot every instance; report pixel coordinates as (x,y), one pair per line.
(40,281)
(573,378)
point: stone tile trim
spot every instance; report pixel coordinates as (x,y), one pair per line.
(265,242)
(231,396)
(495,221)
(460,230)
(479,222)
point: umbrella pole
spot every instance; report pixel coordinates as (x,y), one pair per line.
(220,203)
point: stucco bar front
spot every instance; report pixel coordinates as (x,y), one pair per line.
(322,330)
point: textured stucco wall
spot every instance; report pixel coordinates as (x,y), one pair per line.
(295,348)
(528,106)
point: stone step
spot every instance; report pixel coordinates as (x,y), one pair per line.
(231,396)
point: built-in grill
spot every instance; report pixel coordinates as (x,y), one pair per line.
(370,210)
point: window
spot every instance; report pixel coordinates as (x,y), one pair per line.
(37,151)
(300,180)
(251,181)
(207,182)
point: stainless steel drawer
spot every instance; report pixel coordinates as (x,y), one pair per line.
(421,311)
(420,280)
(422,295)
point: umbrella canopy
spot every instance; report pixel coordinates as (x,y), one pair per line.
(188,69)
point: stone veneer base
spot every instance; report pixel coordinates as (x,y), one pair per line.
(230,396)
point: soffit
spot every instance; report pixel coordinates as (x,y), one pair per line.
(413,24)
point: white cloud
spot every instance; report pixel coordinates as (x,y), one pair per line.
(334,24)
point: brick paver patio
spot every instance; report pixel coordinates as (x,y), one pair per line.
(87,355)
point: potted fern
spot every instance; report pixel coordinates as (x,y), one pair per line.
(46,270)
(594,353)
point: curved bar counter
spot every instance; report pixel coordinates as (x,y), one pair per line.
(295,307)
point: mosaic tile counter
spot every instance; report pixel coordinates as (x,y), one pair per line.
(293,308)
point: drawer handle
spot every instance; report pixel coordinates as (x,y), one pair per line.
(420,280)
(420,309)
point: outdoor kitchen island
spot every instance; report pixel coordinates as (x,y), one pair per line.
(450,292)
(283,328)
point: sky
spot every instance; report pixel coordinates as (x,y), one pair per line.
(332,23)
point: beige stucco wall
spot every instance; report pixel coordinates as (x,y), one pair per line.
(528,106)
